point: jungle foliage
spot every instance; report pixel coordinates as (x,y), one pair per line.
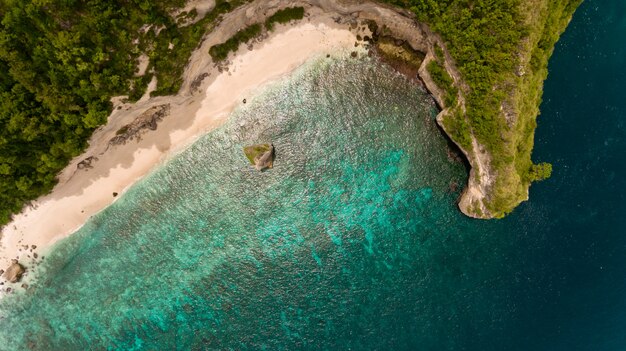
(284,16)
(443,80)
(220,52)
(62,61)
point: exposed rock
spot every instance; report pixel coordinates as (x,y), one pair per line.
(86,163)
(151,124)
(399,55)
(14,273)
(260,155)
(265,161)
(147,120)
(114,194)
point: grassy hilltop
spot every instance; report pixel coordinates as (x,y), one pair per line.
(62,61)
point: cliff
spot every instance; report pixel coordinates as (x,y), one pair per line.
(484,63)
(487,74)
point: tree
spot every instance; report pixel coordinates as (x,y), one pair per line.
(540,171)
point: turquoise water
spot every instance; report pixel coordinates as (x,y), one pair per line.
(353,240)
(208,252)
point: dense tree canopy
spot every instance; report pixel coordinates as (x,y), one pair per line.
(60,63)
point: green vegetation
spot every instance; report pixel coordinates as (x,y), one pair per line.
(490,41)
(170,63)
(220,52)
(439,53)
(443,80)
(401,57)
(60,64)
(62,61)
(540,171)
(458,130)
(254,151)
(284,16)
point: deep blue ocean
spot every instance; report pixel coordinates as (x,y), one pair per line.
(353,241)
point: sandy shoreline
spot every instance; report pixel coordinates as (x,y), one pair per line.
(81,193)
(207,96)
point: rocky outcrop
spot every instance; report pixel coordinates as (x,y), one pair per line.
(400,56)
(146,121)
(260,155)
(266,160)
(197,82)
(14,273)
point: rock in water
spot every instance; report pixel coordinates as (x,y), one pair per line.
(14,273)
(265,161)
(260,155)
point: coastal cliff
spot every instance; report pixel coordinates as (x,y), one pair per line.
(490,90)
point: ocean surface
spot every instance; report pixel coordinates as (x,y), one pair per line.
(353,241)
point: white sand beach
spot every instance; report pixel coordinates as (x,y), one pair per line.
(81,193)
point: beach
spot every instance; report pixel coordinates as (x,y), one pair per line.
(204,103)
(353,240)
